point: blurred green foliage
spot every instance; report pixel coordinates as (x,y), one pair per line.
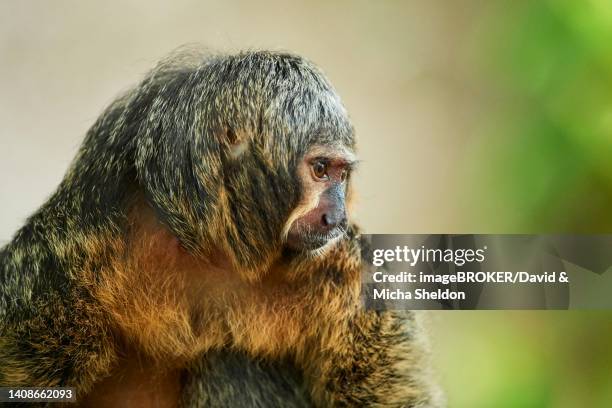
(548,142)
(526,359)
(542,158)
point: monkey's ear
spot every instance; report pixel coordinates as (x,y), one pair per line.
(236,143)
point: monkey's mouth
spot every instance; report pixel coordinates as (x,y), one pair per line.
(311,240)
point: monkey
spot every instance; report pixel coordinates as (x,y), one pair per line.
(200,248)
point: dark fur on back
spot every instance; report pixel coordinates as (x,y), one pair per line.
(234,380)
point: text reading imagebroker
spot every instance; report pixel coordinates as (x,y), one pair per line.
(468,271)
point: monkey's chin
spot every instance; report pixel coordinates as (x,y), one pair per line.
(303,242)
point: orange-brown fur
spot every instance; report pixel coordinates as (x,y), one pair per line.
(136,383)
(174,306)
(168,307)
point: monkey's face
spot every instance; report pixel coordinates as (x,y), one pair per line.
(321,216)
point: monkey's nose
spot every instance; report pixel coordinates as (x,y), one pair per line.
(333,220)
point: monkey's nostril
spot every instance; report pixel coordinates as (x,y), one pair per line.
(331,221)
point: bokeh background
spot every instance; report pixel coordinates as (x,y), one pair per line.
(472,116)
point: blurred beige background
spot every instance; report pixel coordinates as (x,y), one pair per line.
(399,67)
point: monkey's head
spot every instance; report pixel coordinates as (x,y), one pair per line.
(321,216)
(248,153)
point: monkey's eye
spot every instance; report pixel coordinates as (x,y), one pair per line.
(319,169)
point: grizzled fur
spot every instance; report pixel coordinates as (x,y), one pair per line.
(203,151)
